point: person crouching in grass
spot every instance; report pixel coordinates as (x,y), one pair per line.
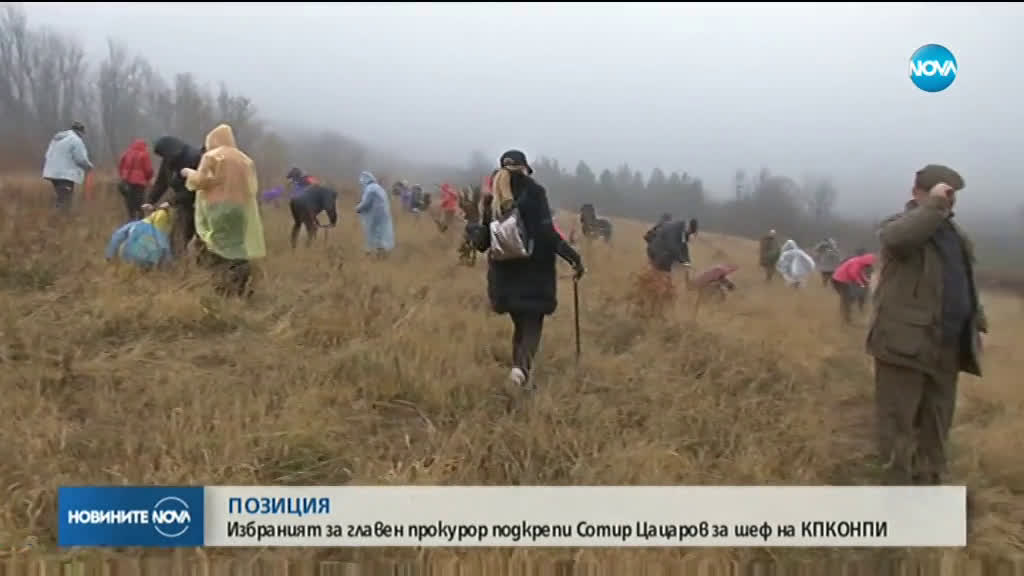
(667,245)
(851,280)
(145,242)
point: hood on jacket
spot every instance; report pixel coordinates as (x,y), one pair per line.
(161,220)
(789,245)
(62,135)
(366,178)
(168,147)
(222,135)
(138,145)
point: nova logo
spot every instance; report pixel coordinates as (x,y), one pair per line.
(170,517)
(932,68)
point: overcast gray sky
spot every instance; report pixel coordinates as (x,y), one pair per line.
(701,88)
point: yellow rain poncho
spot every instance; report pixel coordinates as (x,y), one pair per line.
(227,207)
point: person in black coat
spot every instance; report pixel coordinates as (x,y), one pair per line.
(653,232)
(174,156)
(669,246)
(308,205)
(525,289)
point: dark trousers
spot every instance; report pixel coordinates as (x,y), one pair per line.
(769,272)
(183,229)
(848,295)
(63,190)
(467,253)
(230,277)
(302,216)
(526,339)
(132,196)
(914,413)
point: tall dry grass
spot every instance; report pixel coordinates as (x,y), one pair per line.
(345,370)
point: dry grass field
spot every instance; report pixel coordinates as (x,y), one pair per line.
(345,370)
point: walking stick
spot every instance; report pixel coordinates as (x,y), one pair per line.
(323,228)
(576,313)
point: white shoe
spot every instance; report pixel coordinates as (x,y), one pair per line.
(517,377)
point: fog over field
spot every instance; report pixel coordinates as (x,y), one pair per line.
(698,88)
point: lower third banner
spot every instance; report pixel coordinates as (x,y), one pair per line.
(514,516)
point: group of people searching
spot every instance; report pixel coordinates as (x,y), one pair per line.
(213,207)
(924,331)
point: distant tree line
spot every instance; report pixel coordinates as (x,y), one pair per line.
(46,83)
(803,211)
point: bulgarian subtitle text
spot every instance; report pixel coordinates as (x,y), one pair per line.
(538,533)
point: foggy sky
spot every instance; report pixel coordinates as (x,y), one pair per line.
(706,89)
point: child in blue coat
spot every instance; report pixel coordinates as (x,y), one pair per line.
(145,242)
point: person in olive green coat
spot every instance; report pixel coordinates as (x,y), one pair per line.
(924,329)
(769,255)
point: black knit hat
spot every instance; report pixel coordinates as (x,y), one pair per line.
(515,158)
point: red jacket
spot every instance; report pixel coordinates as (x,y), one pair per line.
(449,198)
(135,166)
(852,271)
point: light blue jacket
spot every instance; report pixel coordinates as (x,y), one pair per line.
(66,158)
(374,211)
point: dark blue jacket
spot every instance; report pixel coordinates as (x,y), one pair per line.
(317,199)
(668,245)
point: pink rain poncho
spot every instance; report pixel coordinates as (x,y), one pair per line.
(714,274)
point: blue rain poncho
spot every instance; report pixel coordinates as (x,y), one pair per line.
(374,211)
(143,242)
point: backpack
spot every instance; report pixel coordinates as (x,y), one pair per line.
(509,240)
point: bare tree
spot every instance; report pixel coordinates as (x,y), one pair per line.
(821,196)
(272,158)
(56,79)
(240,114)
(42,82)
(193,112)
(332,155)
(118,107)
